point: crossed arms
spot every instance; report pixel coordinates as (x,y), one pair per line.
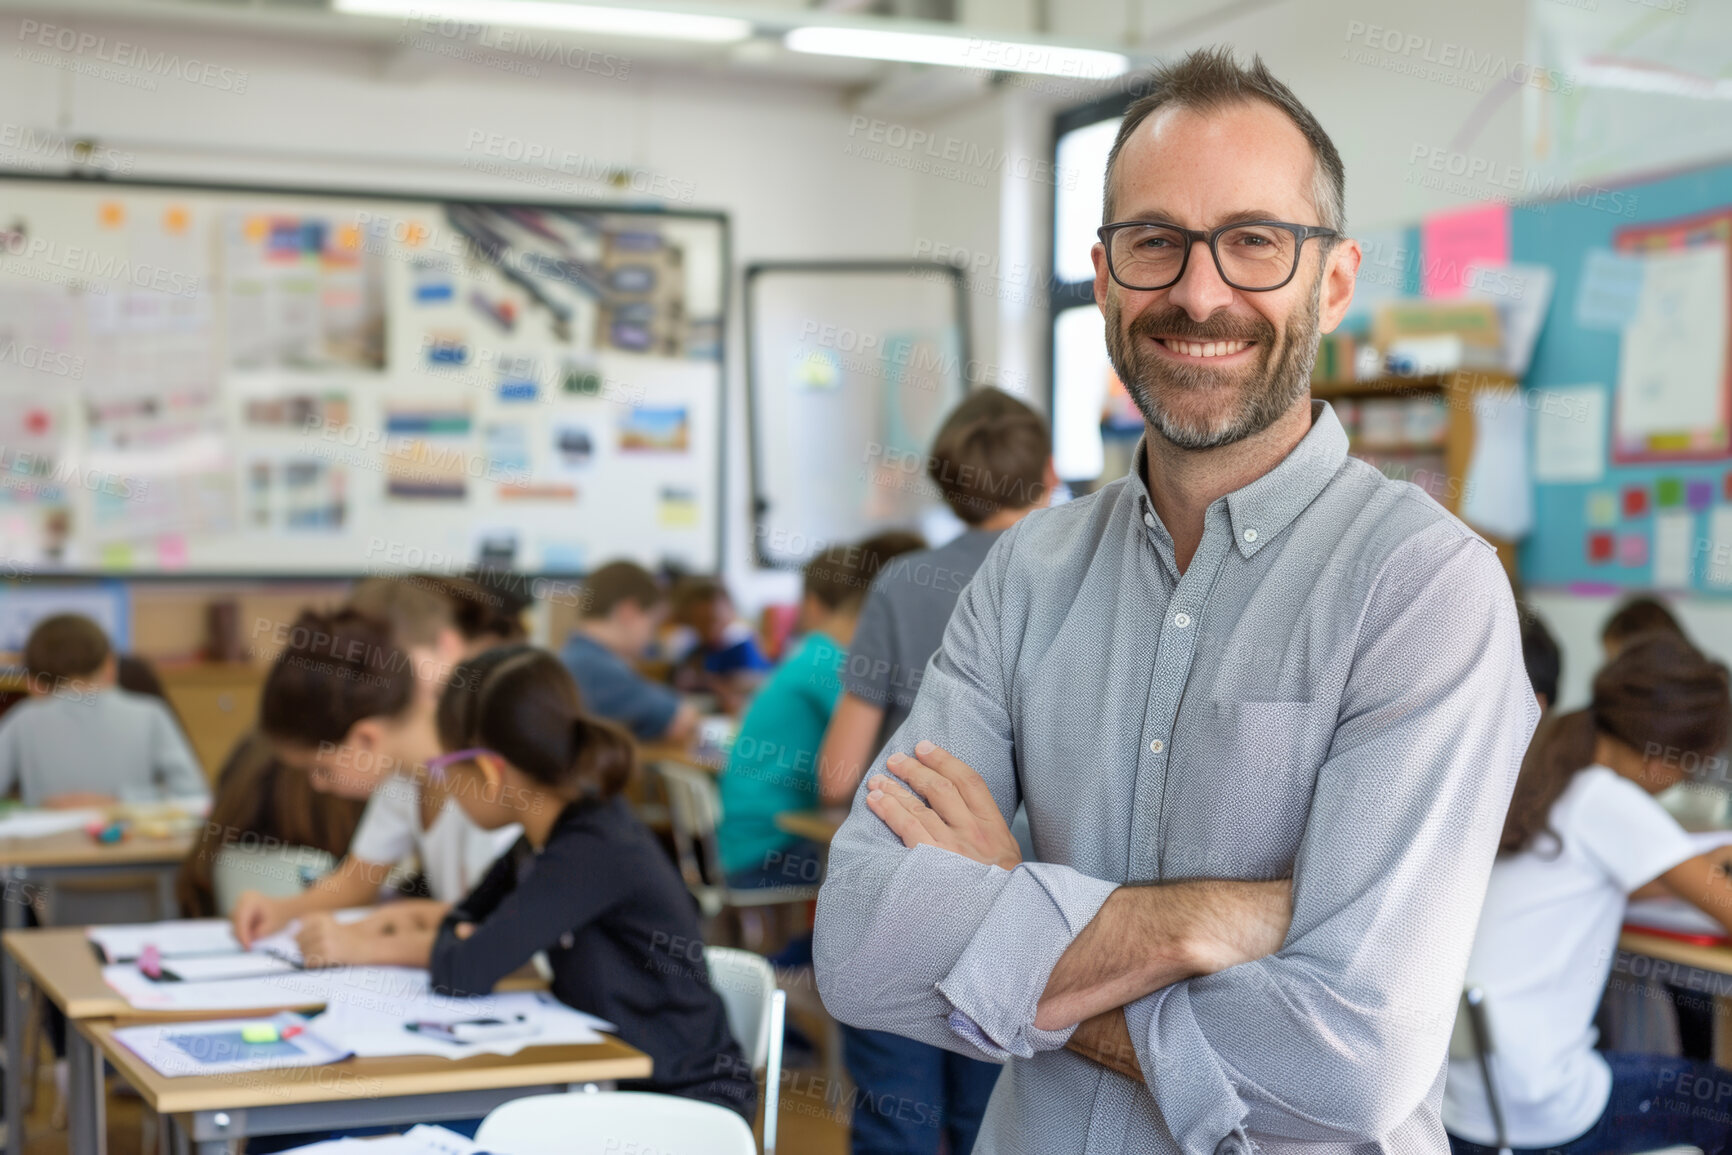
(1335,1033)
(1143,938)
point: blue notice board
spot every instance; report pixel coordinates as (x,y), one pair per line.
(1600,535)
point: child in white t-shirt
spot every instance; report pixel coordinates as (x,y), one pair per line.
(354,709)
(1583,833)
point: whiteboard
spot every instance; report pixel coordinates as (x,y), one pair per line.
(224,381)
(852,368)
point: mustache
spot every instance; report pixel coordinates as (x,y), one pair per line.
(1178,324)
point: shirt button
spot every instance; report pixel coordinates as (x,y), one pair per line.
(1157,745)
(1250,535)
(1149,520)
(1181,620)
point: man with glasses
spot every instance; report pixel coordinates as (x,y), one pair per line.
(1265,708)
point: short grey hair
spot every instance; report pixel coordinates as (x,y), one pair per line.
(1210,79)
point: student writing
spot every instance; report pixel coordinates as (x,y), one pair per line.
(587,883)
(1583,832)
(348,707)
(623,607)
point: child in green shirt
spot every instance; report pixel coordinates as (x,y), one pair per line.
(773,766)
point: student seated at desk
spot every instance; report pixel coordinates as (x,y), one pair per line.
(712,650)
(773,764)
(1583,833)
(352,709)
(81,740)
(623,606)
(587,882)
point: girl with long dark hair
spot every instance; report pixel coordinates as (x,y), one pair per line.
(1583,833)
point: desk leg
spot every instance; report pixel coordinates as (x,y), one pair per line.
(87,1113)
(167,905)
(1722,1042)
(12,917)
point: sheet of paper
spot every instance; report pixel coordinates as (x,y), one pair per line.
(1717,564)
(226,967)
(370,1030)
(1673,530)
(1673,914)
(1451,242)
(283,944)
(422,1139)
(363,986)
(1522,294)
(1496,497)
(179,1049)
(1672,366)
(195,936)
(42,823)
(1608,291)
(1570,434)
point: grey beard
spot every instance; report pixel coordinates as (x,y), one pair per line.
(1268,391)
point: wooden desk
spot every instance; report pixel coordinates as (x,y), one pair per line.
(1709,961)
(26,862)
(212,1110)
(818,825)
(649,753)
(62,964)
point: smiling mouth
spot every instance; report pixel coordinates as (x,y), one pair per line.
(1204,348)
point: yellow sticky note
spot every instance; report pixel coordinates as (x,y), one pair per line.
(111,214)
(117,555)
(1602,508)
(175,219)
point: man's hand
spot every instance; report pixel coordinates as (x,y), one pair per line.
(958,813)
(1106,1039)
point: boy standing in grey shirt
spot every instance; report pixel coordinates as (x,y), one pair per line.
(80,740)
(992,459)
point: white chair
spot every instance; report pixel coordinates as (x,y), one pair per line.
(278,872)
(694,811)
(1471,1039)
(756,1010)
(611,1122)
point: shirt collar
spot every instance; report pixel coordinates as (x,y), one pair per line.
(1262,509)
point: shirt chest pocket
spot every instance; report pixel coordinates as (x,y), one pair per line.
(1241,789)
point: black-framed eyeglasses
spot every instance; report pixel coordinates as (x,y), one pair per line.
(1252,256)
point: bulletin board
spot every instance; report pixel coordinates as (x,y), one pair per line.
(222,381)
(1639,517)
(852,367)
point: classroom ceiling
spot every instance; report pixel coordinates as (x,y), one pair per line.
(1132,27)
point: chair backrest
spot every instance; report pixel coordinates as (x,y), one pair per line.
(746,983)
(613,1121)
(694,812)
(278,872)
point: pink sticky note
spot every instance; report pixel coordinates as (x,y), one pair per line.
(1633,549)
(1450,242)
(171,551)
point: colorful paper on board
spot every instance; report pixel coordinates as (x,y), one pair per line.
(1450,242)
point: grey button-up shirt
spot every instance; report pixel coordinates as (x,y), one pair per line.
(1333,690)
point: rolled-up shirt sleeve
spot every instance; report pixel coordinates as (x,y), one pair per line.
(928,944)
(1338,1037)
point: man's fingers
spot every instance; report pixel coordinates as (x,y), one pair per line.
(965,778)
(939,791)
(908,818)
